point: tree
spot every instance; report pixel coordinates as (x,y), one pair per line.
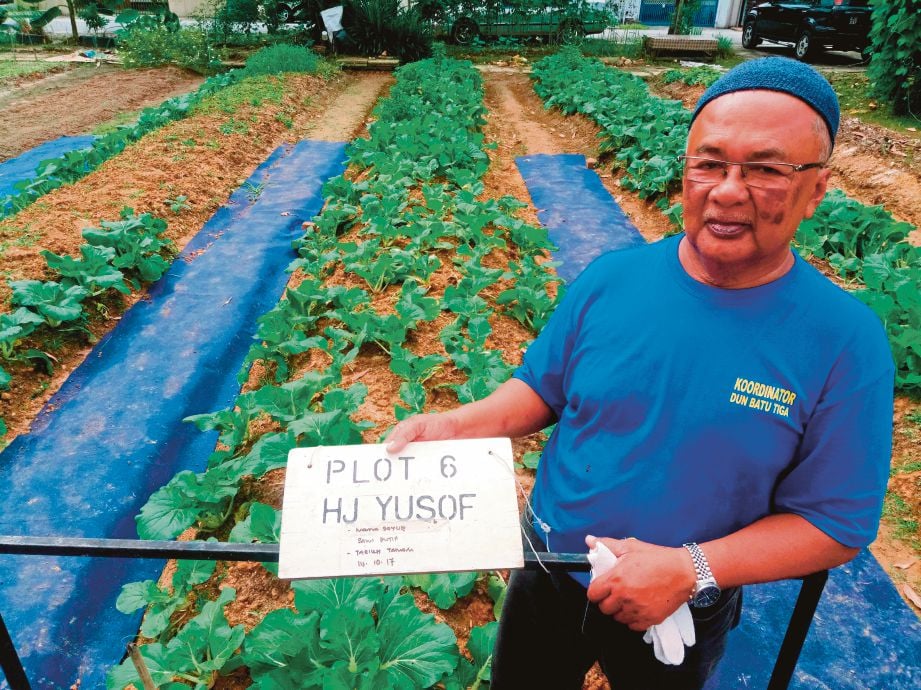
(56,10)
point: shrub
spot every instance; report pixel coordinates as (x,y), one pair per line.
(696,76)
(237,15)
(282,58)
(383,26)
(724,47)
(895,63)
(161,45)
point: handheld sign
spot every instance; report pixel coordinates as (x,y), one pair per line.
(436,506)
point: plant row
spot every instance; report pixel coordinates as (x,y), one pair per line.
(74,165)
(866,246)
(647,134)
(410,209)
(117,257)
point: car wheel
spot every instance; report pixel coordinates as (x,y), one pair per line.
(464,31)
(571,32)
(749,38)
(282,13)
(803,49)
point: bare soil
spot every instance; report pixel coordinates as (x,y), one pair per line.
(76,100)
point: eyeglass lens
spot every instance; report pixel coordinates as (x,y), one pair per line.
(763,175)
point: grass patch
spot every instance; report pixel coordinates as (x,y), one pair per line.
(251,91)
(853,91)
(13,69)
(898,513)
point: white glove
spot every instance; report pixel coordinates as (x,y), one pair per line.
(669,637)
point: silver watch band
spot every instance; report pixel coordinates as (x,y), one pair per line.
(701,566)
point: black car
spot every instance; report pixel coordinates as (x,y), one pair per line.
(810,25)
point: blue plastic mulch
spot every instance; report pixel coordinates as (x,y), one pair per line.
(25,166)
(579,213)
(863,636)
(113,434)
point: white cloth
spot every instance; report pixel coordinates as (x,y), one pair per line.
(332,19)
(668,638)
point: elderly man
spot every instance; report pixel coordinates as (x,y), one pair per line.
(723,411)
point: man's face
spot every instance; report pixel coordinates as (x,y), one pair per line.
(737,233)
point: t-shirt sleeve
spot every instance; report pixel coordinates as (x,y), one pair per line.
(546,361)
(842,468)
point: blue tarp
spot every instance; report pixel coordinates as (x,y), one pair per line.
(582,218)
(113,434)
(25,166)
(863,635)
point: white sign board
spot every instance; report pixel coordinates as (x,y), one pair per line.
(436,506)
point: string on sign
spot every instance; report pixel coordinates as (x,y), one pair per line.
(531,514)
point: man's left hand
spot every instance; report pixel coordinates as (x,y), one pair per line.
(647,584)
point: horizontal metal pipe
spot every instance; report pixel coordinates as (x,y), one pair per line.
(212,551)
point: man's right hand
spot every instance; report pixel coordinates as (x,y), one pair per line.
(421,427)
(513,409)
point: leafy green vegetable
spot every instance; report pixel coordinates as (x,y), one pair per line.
(16,326)
(188,498)
(93,271)
(54,302)
(443,588)
(163,602)
(200,649)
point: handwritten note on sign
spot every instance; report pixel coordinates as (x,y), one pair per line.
(436,506)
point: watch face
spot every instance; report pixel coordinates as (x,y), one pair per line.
(707,596)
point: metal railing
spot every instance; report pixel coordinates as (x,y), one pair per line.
(11,665)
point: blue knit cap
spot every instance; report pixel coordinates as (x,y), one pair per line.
(779,74)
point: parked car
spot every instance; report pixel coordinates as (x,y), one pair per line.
(809,25)
(566,24)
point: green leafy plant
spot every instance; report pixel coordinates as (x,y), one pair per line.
(94,270)
(162,602)
(895,55)
(189,48)
(52,301)
(695,76)
(350,633)
(178,204)
(281,58)
(387,26)
(15,327)
(202,648)
(137,244)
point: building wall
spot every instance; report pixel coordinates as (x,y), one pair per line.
(189,8)
(727,13)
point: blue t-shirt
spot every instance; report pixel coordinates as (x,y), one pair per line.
(687,412)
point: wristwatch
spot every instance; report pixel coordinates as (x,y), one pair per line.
(706,591)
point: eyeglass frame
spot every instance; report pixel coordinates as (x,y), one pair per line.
(794,167)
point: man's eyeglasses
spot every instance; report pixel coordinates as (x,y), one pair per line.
(763,175)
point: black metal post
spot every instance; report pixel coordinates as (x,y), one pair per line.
(809,594)
(212,551)
(10,663)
